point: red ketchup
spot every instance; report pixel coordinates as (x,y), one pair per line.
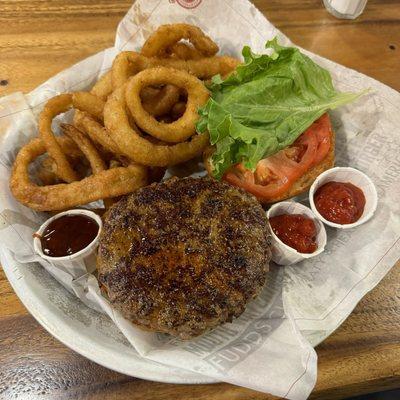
(340,202)
(295,230)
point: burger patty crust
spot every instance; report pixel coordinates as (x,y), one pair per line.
(184,256)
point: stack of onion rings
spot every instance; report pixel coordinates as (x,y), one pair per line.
(137,120)
(128,63)
(114,182)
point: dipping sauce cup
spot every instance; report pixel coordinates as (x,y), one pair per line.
(283,254)
(356,178)
(76,264)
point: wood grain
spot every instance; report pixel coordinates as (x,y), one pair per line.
(39,39)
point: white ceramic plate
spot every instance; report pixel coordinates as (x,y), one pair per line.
(88,332)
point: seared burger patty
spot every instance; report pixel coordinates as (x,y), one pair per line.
(185,255)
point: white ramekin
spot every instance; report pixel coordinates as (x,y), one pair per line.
(283,254)
(357,178)
(77,264)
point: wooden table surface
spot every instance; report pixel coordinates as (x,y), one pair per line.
(39,39)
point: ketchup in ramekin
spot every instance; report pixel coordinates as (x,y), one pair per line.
(295,230)
(340,202)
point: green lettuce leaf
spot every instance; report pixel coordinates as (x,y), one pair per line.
(265,105)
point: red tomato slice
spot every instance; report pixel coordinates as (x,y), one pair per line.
(276,174)
(323,131)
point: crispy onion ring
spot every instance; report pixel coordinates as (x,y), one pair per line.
(89,150)
(96,132)
(57,105)
(110,183)
(69,147)
(140,149)
(46,172)
(178,109)
(168,35)
(156,101)
(89,103)
(79,150)
(96,162)
(183,51)
(47,168)
(129,63)
(180,129)
(103,87)
(53,107)
(159,101)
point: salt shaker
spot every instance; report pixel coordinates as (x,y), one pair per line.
(345,9)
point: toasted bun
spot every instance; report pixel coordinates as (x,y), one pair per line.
(303,183)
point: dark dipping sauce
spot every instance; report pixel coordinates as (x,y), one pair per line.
(340,202)
(68,234)
(295,230)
